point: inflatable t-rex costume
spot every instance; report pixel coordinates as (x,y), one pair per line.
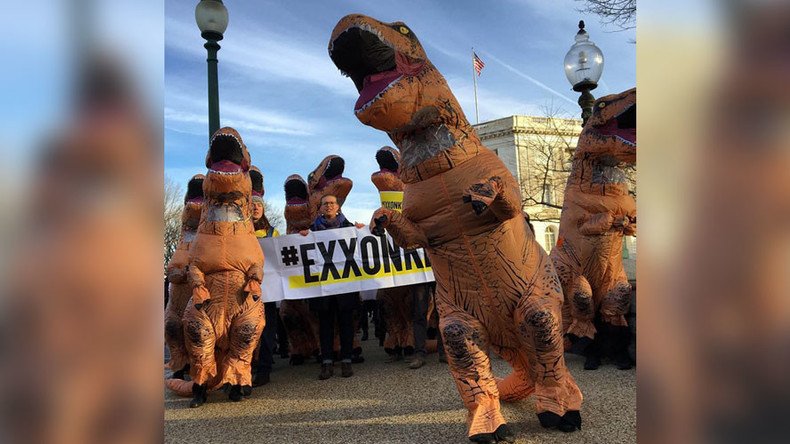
(596,214)
(395,303)
(495,284)
(224,319)
(177,269)
(301,209)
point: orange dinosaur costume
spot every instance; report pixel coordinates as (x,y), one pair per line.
(177,269)
(301,208)
(395,303)
(224,319)
(596,214)
(495,284)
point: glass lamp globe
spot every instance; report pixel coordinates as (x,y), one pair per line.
(583,62)
(211,17)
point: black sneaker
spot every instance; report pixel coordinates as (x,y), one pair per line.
(345,370)
(327,370)
(260,379)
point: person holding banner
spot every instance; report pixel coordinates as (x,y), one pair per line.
(264,356)
(333,308)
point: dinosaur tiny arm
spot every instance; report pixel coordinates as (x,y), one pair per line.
(176,274)
(495,194)
(596,224)
(200,294)
(254,279)
(404,232)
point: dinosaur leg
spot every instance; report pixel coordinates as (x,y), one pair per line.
(582,307)
(614,307)
(298,325)
(518,384)
(465,341)
(244,333)
(539,322)
(174,329)
(200,340)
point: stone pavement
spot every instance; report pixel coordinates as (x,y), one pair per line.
(389,403)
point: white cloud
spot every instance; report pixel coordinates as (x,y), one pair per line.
(260,53)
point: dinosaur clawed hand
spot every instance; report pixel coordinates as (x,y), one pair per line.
(380,220)
(482,194)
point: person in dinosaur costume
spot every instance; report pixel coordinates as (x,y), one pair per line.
(177,271)
(395,303)
(301,208)
(597,212)
(495,285)
(224,319)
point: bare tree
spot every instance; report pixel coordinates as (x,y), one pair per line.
(174,204)
(620,13)
(547,153)
(275,216)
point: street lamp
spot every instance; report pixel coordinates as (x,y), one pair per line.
(212,19)
(583,67)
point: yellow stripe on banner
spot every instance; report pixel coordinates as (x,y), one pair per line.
(299,281)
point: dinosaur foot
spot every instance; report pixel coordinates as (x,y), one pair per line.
(199,395)
(235,393)
(502,434)
(181,374)
(246,390)
(569,422)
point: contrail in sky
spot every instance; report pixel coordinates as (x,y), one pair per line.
(531,79)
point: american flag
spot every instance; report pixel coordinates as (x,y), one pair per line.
(479,65)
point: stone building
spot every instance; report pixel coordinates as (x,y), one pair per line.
(538,151)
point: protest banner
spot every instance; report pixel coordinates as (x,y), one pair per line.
(338,261)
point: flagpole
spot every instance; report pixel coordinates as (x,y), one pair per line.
(474,79)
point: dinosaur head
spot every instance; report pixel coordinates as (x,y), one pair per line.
(257,181)
(298,213)
(382,59)
(328,178)
(386,178)
(228,163)
(193,203)
(610,132)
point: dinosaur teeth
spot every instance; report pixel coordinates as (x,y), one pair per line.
(626,141)
(224,173)
(377,96)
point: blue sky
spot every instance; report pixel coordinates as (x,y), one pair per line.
(279,88)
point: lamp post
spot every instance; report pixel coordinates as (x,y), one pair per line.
(583,67)
(212,19)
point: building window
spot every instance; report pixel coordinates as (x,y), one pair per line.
(547,195)
(550,237)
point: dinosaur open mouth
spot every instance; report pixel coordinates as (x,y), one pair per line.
(295,191)
(623,126)
(194,191)
(387,162)
(257,182)
(226,155)
(372,63)
(333,171)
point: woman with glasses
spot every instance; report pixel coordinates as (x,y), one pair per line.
(338,307)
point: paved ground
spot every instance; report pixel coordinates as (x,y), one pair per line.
(389,403)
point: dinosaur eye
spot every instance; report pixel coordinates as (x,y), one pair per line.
(602,105)
(403,30)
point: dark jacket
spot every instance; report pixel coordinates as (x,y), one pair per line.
(347,301)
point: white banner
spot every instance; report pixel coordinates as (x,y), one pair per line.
(343,260)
